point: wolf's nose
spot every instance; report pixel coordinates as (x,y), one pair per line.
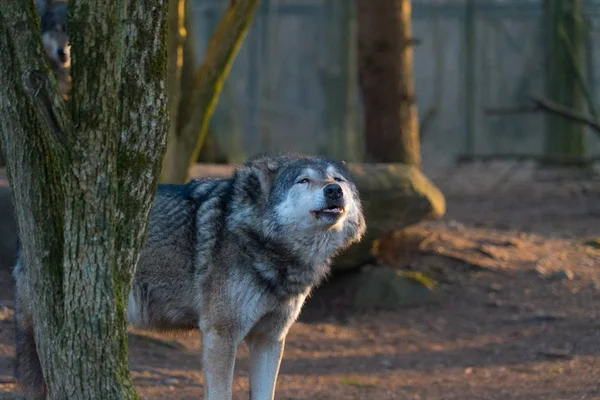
(333,191)
(61,54)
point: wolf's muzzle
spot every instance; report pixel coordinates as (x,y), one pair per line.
(333,191)
(62,55)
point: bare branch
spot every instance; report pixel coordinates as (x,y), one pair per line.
(549,106)
(524,109)
(222,48)
(544,105)
(175,38)
(197,105)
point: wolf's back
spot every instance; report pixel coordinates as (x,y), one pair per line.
(177,209)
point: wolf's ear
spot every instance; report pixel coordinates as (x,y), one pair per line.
(267,171)
(260,175)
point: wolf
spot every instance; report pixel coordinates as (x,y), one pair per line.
(53,23)
(233,257)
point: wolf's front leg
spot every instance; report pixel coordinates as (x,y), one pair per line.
(265,357)
(218,360)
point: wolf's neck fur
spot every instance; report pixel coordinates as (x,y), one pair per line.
(288,263)
(316,247)
(286,259)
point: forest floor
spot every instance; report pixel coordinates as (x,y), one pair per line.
(516,314)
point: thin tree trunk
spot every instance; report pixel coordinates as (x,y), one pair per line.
(175,40)
(385,58)
(197,104)
(470,87)
(564,71)
(209,151)
(83,179)
(339,81)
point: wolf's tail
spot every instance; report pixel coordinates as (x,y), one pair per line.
(28,371)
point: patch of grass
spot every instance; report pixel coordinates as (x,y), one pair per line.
(595,243)
(420,278)
(355,382)
(557,369)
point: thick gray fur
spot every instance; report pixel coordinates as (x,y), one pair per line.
(235,257)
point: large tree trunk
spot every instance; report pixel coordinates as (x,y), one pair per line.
(197,98)
(385,59)
(83,178)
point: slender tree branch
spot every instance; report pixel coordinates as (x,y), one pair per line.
(512,110)
(208,79)
(197,105)
(176,35)
(188,62)
(552,107)
(544,105)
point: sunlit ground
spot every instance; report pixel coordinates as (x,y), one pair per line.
(516,314)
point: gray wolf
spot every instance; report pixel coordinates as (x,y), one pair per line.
(53,22)
(235,258)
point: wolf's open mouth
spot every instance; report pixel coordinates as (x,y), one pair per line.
(64,64)
(331,210)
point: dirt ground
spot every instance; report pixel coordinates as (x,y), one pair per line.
(516,314)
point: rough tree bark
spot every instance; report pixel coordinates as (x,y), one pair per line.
(83,178)
(385,60)
(194,102)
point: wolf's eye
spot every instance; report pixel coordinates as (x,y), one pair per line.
(304,180)
(338,179)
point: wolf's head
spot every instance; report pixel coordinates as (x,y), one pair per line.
(53,14)
(310,201)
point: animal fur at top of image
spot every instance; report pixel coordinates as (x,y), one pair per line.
(234,257)
(53,21)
